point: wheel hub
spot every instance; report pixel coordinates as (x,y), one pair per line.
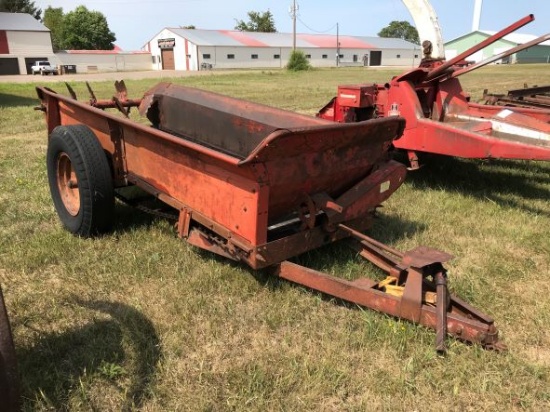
(67,183)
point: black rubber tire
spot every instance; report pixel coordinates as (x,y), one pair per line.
(9,378)
(78,146)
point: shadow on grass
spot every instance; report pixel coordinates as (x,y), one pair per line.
(12,100)
(59,362)
(128,218)
(495,180)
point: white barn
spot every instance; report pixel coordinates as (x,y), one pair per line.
(23,40)
(193,49)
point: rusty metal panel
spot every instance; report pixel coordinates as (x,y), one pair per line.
(528,97)
(302,155)
(460,322)
(282,158)
(227,195)
(229,125)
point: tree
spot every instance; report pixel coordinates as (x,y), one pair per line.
(53,20)
(87,30)
(258,21)
(21,6)
(298,61)
(400,30)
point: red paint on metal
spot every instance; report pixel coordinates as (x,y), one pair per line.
(441,119)
(187,57)
(244,38)
(4,46)
(326,41)
(481,110)
(114,51)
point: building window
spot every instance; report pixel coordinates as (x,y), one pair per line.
(416,56)
(254,56)
(398,56)
(154,58)
(206,56)
(308,56)
(325,56)
(355,58)
(341,56)
(230,56)
(276,56)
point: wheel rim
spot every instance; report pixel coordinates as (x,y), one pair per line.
(67,184)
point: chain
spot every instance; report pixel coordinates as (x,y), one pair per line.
(138,206)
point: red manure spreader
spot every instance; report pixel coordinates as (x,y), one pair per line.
(254,184)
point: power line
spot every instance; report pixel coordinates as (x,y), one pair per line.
(313,30)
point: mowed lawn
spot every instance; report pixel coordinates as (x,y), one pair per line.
(139,320)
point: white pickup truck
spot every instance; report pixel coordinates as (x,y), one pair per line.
(43,67)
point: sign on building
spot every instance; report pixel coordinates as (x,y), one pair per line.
(166,43)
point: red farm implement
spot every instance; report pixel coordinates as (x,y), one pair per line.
(255,184)
(530,97)
(440,118)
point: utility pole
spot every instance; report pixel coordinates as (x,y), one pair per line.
(293,12)
(337,46)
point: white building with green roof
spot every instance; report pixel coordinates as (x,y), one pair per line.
(536,54)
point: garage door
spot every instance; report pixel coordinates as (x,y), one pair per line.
(9,66)
(29,62)
(168,59)
(376,58)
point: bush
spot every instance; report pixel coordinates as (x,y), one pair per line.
(298,61)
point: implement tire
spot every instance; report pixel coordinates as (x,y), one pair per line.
(80,180)
(9,378)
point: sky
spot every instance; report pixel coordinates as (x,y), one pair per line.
(135,22)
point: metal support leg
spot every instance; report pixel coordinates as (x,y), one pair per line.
(441,328)
(417,276)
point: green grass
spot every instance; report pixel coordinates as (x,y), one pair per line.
(139,320)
